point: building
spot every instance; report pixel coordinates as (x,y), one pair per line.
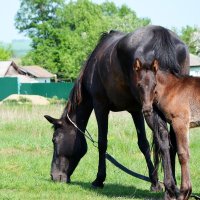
(194,65)
(27,74)
(8,68)
(37,73)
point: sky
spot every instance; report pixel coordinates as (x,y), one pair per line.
(167,13)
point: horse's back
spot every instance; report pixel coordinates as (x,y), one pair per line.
(159,42)
(104,77)
(107,71)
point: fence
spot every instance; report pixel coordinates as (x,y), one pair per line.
(10,86)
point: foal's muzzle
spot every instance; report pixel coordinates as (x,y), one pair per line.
(147,110)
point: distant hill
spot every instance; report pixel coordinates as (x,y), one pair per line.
(20,47)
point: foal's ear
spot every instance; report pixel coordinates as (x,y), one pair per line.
(53,120)
(155,65)
(137,64)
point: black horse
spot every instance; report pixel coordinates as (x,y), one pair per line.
(107,83)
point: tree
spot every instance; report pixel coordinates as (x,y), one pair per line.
(37,18)
(187,36)
(64,34)
(195,39)
(5,52)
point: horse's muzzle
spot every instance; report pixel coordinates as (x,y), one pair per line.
(60,178)
(147,110)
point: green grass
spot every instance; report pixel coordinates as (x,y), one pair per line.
(26,152)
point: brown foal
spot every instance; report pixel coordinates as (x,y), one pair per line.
(178,98)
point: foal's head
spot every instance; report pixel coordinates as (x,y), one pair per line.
(145,77)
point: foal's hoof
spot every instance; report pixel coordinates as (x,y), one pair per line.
(168,197)
(157,188)
(96,185)
(174,195)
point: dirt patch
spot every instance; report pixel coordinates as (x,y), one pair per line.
(33,99)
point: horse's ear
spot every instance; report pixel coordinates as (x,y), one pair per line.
(155,65)
(137,64)
(53,120)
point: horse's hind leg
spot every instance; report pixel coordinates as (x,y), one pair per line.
(145,149)
(101,113)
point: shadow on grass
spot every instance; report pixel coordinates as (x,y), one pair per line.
(117,190)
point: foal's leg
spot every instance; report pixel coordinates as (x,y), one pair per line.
(181,129)
(145,149)
(101,113)
(173,150)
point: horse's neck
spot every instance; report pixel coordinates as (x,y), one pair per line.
(69,113)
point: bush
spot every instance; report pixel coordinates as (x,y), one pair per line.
(55,100)
(21,100)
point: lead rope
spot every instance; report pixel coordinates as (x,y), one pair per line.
(115,162)
(109,157)
(87,136)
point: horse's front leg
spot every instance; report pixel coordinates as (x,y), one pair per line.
(145,149)
(182,137)
(101,113)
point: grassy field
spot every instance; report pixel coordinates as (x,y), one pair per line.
(26,152)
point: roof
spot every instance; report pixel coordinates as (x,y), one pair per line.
(5,65)
(194,60)
(36,71)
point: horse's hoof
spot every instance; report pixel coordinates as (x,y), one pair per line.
(96,185)
(157,188)
(68,180)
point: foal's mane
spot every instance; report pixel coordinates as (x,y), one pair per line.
(76,94)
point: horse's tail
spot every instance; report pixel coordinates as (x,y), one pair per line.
(165,50)
(159,125)
(156,153)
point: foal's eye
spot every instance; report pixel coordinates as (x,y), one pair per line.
(139,85)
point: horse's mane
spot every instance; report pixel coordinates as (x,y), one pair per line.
(165,50)
(76,94)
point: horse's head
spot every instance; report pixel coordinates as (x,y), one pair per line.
(145,80)
(68,149)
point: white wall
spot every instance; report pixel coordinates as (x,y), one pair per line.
(43,80)
(195,71)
